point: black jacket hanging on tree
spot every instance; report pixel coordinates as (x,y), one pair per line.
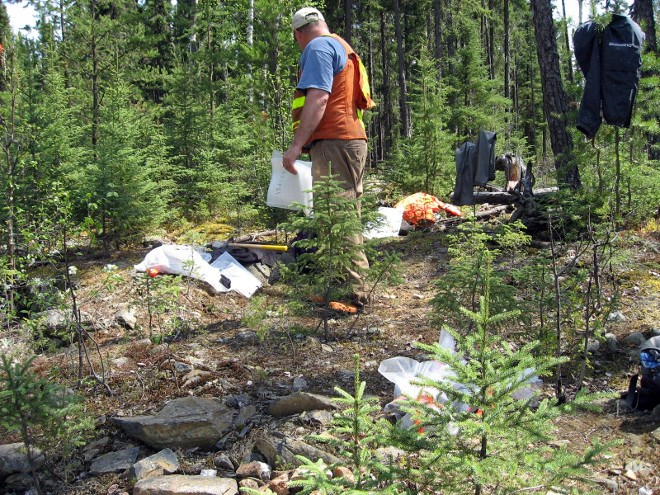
(611,66)
(475,166)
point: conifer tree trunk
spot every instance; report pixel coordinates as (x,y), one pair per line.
(642,13)
(491,40)
(348,20)
(507,51)
(403,105)
(569,64)
(555,101)
(385,111)
(437,33)
(250,44)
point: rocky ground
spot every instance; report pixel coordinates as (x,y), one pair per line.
(213,354)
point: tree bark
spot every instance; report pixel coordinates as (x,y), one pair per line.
(437,33)
(569,64)
(403,104)
(507,51)
(555,101)
(385,111)
(348,20)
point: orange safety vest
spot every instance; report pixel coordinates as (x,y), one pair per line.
(350,95)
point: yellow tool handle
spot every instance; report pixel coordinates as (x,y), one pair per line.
(268,247)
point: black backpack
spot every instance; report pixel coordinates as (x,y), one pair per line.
(647,395)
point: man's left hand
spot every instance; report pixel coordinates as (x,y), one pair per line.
(290,157)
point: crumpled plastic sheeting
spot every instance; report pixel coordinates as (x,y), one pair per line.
(402,371)
(185,260)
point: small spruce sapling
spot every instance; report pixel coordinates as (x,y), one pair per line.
(464,282)
(485,433)
(45,415)
(321,272)
(354,436)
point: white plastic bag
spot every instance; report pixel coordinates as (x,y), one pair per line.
(181,260)
(389,227)
(185,260)
(242,281)
(287,189)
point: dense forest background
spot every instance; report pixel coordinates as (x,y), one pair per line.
(121,117)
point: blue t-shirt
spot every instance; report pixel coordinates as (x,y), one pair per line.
(323,58)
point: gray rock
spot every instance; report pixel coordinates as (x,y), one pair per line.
(237,401)
(638,467)
(98,444)
(635,338)
(182,367)
(656,433)
(247,337)
(17,482)
(186,423)
(179,484)
(593,345)
(612,343)
(208,472)
(164,462)
(126,318)
(299,402)
(222,461)
(616,316)
(281,451)
(91,454)
(115,462)
(120,362)
(255,469)
(656,411)
(655,331)
(245,415)
(299,384)
(317,417)
(389,454)
(611,485)
(56,321)
(14,459)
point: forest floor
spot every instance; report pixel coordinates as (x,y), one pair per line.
(212,335)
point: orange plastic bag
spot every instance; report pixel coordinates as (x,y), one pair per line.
(420,208)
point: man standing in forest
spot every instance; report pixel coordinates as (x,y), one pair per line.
(331,93)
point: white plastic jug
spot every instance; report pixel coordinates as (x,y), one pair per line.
(287,190)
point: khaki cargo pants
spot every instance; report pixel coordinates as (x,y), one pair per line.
(348,159)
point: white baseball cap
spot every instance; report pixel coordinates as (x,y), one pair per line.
(305,16)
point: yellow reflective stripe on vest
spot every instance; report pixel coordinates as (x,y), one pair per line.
(364,82)
(298,102)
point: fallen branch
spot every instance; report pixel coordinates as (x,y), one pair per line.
(493,212)
(505,198)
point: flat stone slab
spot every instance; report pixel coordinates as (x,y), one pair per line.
(115,462)
(182,423)
(179,484)
(300,402)
(164,462)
